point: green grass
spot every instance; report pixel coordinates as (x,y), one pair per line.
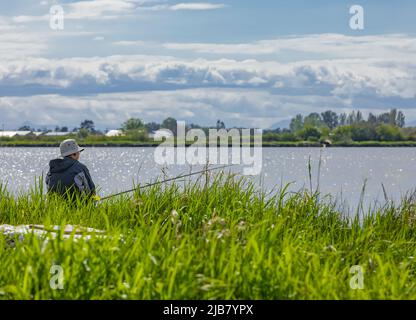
(222,241)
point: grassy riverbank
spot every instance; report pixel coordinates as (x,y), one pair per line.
(222,241)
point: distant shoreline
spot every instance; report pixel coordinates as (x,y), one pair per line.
(374,144)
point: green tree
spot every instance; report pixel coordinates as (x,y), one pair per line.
(88,125)
(310,133)
(359,117)
(372,119)
(134,129)
(313,120)
(363,132)
(330,118)
(296,124)
(171,124)
(137,134)
(343,119)
(343,134)
(387,132)
(384,118)
(83,133)
(351,119)
(152,126)
(355,117)
(132,124)
(392,117)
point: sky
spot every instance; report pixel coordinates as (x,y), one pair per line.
(250,63)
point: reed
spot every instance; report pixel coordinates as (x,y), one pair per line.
(219,240)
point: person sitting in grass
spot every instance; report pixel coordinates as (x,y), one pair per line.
(67,176)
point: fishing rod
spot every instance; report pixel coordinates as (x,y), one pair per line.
(164,181)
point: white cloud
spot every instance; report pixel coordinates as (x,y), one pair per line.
(204,106)
(364,70)
(132,43)
(91,9)
(249,108)
(99,8)
(197,6)
(19,42)
(113,9)
(25,18)
(326,45)
(342,77)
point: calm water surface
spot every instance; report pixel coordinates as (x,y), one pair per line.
(343,173)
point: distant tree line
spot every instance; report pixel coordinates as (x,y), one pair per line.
(328,125)
(389,126)
(333,120)
(133,128)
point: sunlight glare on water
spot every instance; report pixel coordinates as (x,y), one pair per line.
(343,172)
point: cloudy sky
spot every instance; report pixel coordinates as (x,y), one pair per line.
(253,63)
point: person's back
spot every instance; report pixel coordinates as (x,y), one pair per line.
(67,176)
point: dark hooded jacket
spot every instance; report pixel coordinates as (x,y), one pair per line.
(68,176)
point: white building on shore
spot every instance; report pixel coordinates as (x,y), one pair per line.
(11,134)
(161,133)
(114,133)
(57,134)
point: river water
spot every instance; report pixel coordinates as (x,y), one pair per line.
(343,171)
